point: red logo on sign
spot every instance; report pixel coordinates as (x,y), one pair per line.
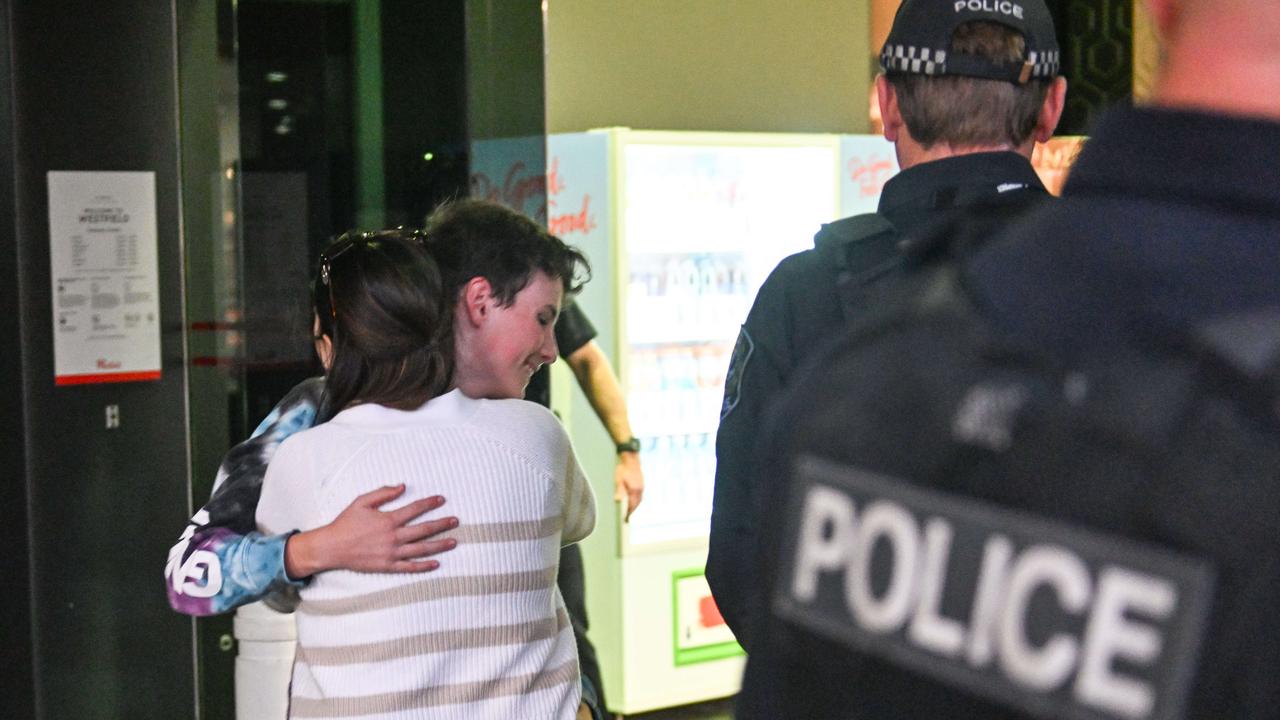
(709,613)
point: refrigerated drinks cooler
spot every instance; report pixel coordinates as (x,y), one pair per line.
(681,229)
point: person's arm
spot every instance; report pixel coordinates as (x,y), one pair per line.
(595,376)
(221,561)
(579,511)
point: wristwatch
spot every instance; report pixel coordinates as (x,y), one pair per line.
(632,445)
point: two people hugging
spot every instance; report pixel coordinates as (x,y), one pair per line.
(428,341)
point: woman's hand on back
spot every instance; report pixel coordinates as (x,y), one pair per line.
(366,539)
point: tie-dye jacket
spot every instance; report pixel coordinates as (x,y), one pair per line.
(221,561)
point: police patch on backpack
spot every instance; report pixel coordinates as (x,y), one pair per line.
(1050,618)
(742,350)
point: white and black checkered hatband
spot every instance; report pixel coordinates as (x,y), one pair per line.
(932,61)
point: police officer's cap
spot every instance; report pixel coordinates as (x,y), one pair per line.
(920,41)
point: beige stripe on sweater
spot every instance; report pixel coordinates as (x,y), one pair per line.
(438,695)
(433,589)
(437,642)
(506,531)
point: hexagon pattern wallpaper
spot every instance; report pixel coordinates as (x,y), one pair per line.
(1097,40)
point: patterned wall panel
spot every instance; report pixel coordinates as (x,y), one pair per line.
(1097,55)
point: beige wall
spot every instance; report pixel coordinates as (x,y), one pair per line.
(882,12)
(734,65)
(1146,52)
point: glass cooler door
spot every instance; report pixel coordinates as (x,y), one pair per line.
(704,219)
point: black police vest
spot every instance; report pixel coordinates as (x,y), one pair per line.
(974,530)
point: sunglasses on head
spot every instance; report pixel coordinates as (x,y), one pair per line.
(348,240)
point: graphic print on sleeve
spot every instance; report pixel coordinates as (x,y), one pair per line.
(220,561)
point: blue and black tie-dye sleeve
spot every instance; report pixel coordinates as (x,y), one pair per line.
(221,562)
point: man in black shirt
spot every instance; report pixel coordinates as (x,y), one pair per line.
(967,91)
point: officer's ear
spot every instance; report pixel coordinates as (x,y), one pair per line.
(1055,100)
(890,115)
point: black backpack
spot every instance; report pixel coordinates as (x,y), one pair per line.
(929,463)
(862,250)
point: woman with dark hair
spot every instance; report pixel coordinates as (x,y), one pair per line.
(485,635)
(394,346)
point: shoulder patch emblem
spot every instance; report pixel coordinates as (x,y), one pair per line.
(742,350)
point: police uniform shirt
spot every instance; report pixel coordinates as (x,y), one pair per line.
(796,312)
(573,330)
(1166,217)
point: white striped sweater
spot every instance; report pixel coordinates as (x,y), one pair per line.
(485,635)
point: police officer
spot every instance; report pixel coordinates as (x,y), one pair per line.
(1171,218)
(1069,599)
(968,88)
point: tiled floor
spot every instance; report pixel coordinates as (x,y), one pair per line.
(715,710)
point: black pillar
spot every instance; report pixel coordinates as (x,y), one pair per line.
(87,512)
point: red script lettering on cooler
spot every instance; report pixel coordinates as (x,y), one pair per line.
(869,175)
(563,224)
(518,189)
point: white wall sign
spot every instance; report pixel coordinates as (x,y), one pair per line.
(106,304)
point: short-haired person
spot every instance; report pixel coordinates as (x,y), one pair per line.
(462,236)
(486,635)
(967,90)
(1037,594)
